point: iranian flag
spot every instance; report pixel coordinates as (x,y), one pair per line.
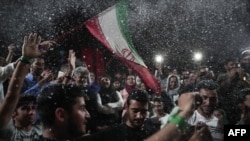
(111,28)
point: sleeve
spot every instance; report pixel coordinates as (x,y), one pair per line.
(119,104)
(35,90)
(6,71)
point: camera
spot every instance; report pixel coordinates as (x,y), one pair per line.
(198,100)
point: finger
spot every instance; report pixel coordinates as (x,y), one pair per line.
(52,42)
(25,40)
(39,39)
(33,38)
(30,36)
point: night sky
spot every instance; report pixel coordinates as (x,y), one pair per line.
(174,28)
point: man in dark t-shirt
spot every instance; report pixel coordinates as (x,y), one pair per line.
(132,128)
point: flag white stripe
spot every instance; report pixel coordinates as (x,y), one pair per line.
(113,35)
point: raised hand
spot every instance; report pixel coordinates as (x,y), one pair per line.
(47,44)
(11,48)
(30,46)
(72,58)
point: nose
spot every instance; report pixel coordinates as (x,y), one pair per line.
(31,111)
(139,115)
(87,114)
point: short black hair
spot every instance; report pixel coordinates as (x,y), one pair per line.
(158,99)
(54,96)
(138,95)
(242,95)
(207,84)
(25,99)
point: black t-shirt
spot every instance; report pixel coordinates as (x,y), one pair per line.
(119,132)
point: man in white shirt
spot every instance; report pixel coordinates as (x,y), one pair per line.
(204,112)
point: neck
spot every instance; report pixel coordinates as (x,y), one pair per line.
(24,127)
(161,115)
(200,111)
(37,77)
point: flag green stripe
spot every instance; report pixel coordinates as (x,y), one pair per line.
(122,17)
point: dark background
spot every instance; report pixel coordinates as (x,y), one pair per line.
(174,28)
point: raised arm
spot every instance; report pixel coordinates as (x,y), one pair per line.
(171,132)
(29,50)
(72,66)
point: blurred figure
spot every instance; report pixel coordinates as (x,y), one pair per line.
(231,82)
(93,85)
(244,98)
(110,103)
(116,84)
(22,109)
(81,77)
(205,74)
(221,115)
(160,115)
(191,83)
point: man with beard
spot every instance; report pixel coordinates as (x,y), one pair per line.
(131,130)
(204,112)
(62,111)
(37,77)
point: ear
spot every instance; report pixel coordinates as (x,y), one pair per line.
(126,106)
(60,114)
(14,114)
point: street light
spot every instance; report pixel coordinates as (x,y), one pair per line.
(159,58)
(158,65)
(198,56)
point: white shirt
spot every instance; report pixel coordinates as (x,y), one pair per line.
(213,124)
(5,72)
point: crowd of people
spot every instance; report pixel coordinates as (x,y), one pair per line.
(72,104)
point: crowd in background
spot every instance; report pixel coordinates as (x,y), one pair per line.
(224,98)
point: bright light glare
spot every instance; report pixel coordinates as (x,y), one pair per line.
(197,56)
(158,58)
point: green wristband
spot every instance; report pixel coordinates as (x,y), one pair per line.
(25,60)
(179,122)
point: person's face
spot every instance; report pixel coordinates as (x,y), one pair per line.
(130,81)
(92,77)
(37,66)
(25,114)
(185,74)
(158,107)
(81,79)
(209,103)
(247,100)
(246,59)
(116,84)
(218,114)
(192,77)
(173,82)
(143,86)
(136,112)
(105,82)
(231,65)
(78,118)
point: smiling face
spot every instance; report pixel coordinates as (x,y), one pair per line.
(209,103)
